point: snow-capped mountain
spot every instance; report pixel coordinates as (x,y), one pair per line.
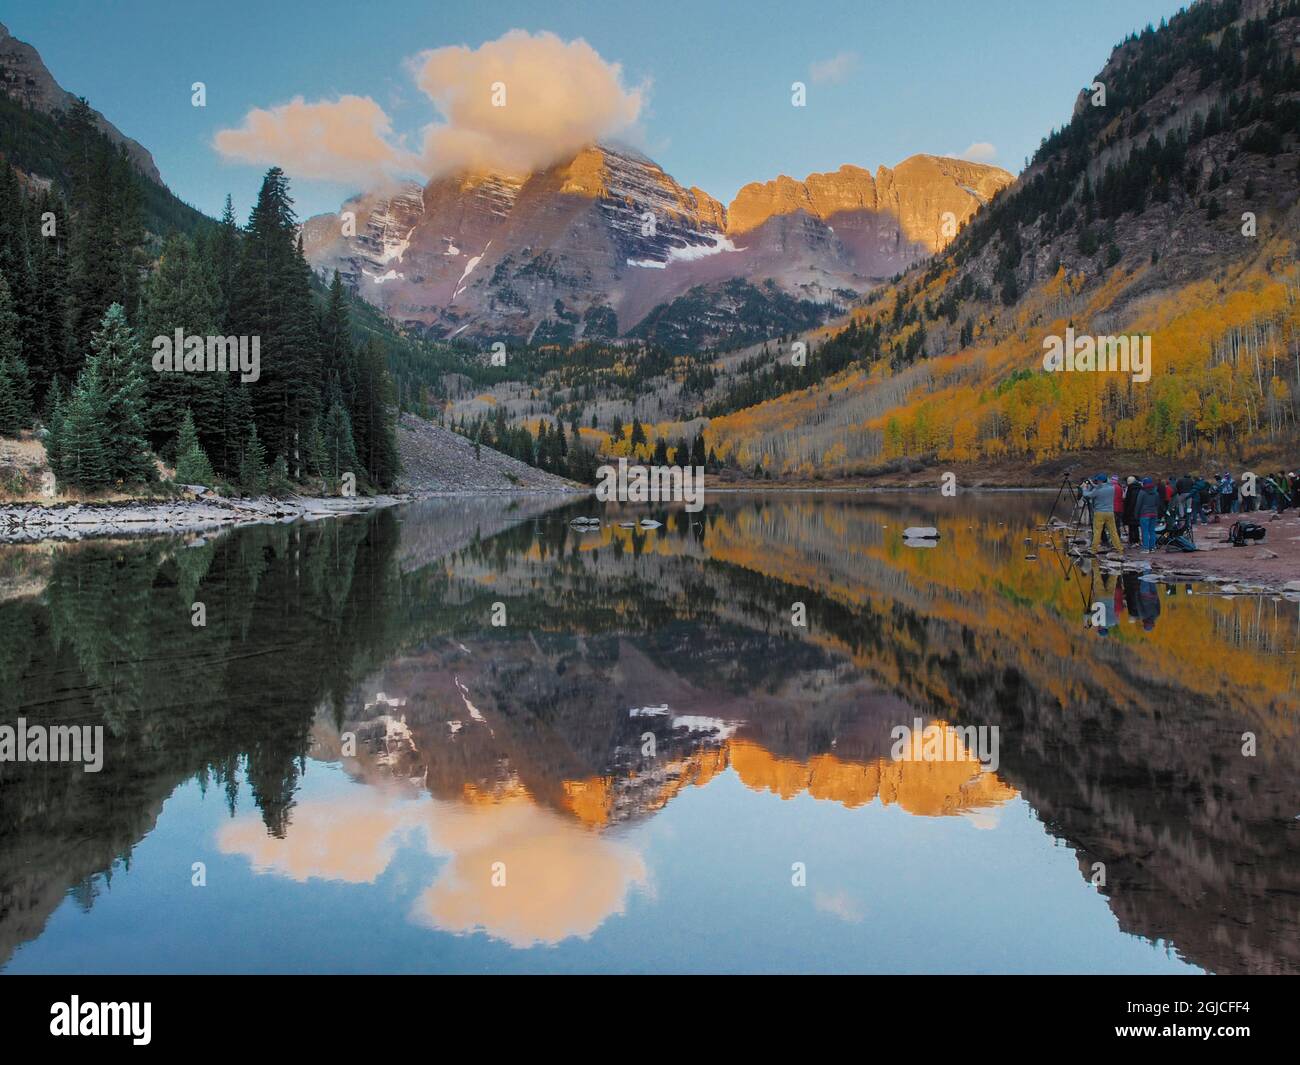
(588,247)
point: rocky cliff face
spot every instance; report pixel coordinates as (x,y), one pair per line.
(875,227)
(555,255)
(916,192)
(588,248)
(25,78)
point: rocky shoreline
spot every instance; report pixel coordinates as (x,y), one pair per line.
(436,462)
(1267,567)
(23,523)
(204,511)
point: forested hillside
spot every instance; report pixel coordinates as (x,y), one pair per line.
(1166,207)
(82,296)
(63,148)
(98,257)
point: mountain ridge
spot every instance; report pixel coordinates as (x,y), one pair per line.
(25,77)
(588,247)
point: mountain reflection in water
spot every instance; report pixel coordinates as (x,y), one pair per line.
(588,774)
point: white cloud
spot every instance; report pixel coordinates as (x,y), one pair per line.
(560,96)
(348,139)
(834,70)
(839,904)
(979,152)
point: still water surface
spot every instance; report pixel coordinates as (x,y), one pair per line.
(647,766)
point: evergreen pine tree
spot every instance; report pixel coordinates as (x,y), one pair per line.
(582,462)
(192,465)
(272,300)
(277,480)
(106,253)
(47,355)
(223,253)
(252,467)
(376,405)
(313,448)
(116,352)
(15,390)
(340,453)
(54,426)
(543,446)
(236,422)
(12,419)
(181,294)
(336,342)
(16,256)
(521,445)
(81,442)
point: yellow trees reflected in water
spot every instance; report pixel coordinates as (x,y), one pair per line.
(938,788)
(522,748)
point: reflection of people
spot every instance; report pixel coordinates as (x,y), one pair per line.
(1102,495)
(1148,603)
(1107,616)
(1131,586)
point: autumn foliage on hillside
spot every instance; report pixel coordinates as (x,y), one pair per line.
(1225,376)
(1168,212)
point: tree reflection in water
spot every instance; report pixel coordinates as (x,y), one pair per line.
(636,664)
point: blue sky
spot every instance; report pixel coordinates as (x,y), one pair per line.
(898,77)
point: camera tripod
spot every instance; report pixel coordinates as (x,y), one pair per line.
(1078,522)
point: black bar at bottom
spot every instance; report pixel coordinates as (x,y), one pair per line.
(337,1013)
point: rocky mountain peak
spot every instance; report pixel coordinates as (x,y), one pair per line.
(590,245)
(917,193)
(25,78)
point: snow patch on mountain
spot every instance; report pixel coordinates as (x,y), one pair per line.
(469,269)
(689,254)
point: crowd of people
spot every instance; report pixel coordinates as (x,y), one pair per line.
(1142,503)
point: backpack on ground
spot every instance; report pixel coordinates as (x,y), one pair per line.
(1242,531)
